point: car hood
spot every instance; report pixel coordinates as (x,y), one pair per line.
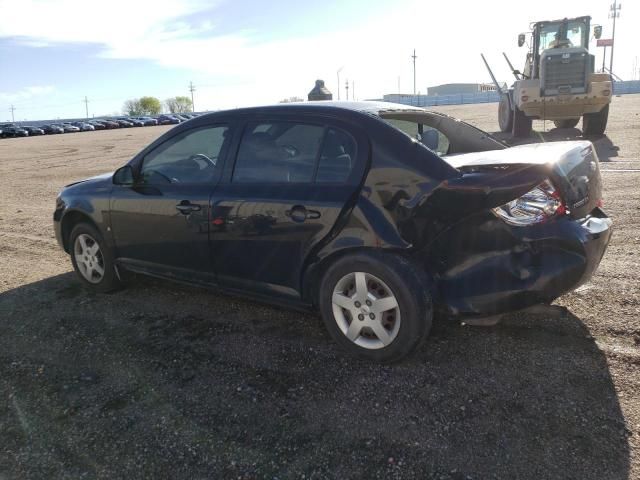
(97,181)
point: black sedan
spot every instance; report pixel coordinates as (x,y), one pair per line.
(133,121)
(33,131)
(167,120)
(10,130)
(109,124)
(375,214)
(96,125)
(52,129)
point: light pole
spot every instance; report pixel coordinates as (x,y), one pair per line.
(338,74)
(192,89)
(614,12)
(414,71)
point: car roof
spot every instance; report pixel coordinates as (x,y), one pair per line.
(369,107)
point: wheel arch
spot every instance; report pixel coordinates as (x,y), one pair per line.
(70,220)
(314,272)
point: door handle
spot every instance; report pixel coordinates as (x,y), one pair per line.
(299,213)
(185,207)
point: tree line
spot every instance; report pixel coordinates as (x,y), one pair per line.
(137,107)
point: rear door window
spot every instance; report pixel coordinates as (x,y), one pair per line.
(278,152)
(337,157)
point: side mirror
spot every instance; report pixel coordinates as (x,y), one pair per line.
(123,176)
(597,31)
(521,39)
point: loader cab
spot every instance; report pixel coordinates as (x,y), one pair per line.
(558,35)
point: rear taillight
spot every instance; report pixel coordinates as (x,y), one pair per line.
(535,206)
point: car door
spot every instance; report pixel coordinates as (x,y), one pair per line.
(290,181)
(161,223)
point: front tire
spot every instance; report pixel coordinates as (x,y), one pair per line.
(92,259)
(505,114)
(376,306)
(521,123)
(595,123)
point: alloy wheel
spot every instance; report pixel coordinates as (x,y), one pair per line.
(366,310)
(89,259)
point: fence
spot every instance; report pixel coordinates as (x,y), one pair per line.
(619,88)
(623,88)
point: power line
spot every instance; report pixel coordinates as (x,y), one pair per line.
(192,89)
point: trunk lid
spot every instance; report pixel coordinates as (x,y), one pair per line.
(572,167)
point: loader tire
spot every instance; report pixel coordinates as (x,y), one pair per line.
(568,123)
(505,114)
(594,124)
(521,123)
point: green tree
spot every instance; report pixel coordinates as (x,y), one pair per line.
(136,107)
(150,106)
(179,104)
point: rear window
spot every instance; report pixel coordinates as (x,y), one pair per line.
(430,137)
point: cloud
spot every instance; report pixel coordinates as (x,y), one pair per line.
(25,93)
(242,66)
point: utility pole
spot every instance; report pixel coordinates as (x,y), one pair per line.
(192,89)
(346,86)
(338,74)
(353,90)
(13,109)
(398,83)
(86,106)
(414,70)
(614,12)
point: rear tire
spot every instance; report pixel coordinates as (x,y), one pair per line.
(568,123)
(521,123)
(92,259)
(595,123)
(376,306)
(505,114)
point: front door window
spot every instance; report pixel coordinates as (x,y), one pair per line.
(191,157)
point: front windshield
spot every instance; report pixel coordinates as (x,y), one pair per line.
(572,33)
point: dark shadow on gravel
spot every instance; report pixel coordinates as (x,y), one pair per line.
(161,381)
(605,148)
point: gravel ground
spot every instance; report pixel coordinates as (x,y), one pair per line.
(163,381)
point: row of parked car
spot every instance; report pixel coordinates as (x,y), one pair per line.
(12,130)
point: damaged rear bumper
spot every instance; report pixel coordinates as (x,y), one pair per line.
(486,267)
